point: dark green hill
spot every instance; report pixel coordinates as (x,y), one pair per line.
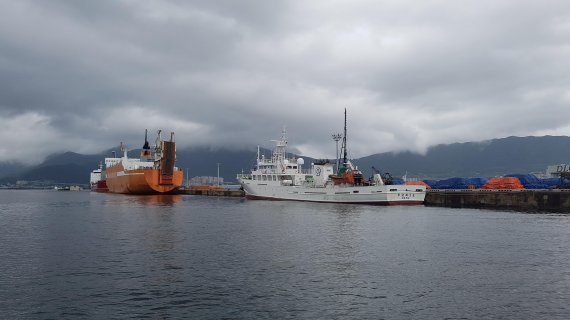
(67,167)
(471,159)
(63,173)
(8,169)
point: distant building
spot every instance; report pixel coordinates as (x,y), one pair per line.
(206,180)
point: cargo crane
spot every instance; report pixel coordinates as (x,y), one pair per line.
(386,176)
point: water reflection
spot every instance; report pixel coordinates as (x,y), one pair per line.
(344,240)
(161,199)
(134,200)
(200,257)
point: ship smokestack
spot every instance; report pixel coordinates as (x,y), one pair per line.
(146,155)
(146,146)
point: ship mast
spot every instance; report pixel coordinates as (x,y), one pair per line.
(280,150)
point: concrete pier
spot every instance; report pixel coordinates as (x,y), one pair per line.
(526,200)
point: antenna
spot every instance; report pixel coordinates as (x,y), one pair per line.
(345,158)
(257,163)
(336,137)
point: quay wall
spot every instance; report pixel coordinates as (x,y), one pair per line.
(528,200)
(213,192)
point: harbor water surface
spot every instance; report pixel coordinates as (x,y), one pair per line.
(91,255)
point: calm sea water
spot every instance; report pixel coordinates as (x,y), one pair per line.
(90,255)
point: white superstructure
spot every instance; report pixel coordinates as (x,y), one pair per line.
(96,176)
(280,178)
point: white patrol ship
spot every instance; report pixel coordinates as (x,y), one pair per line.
(280,178)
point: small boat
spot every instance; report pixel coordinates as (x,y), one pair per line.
(153,173)
(280,178)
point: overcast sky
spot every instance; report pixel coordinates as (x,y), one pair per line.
(84,75)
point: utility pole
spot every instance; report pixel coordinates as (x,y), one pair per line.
(218,181)
(336,137)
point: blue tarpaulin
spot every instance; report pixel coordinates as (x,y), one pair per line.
(457,183)
(476,182)
(397,181)
(529,181)
(553,182)
(451,183)
(430,182)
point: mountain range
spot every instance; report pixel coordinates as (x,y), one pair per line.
(471,159)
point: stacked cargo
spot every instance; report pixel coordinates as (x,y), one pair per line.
(457,183)
(451,183)
(510,183)
(529,181)
(476,183)
(554,182)
(418,183)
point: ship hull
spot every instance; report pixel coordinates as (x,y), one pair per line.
(99,186)
(142,181)
(377,195)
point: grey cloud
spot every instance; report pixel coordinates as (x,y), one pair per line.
(229,73)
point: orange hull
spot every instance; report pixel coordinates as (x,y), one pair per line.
(143,181)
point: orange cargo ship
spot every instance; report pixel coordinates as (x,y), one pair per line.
(153,173)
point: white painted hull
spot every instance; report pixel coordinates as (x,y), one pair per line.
(380,195)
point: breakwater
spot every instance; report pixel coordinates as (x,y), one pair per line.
(528,200)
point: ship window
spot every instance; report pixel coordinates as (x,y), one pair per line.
(355,191)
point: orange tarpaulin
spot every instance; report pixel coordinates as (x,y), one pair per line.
(503,183)
(418,183)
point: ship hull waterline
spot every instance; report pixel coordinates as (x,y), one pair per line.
(376,203)
(352,195)
(100,186)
